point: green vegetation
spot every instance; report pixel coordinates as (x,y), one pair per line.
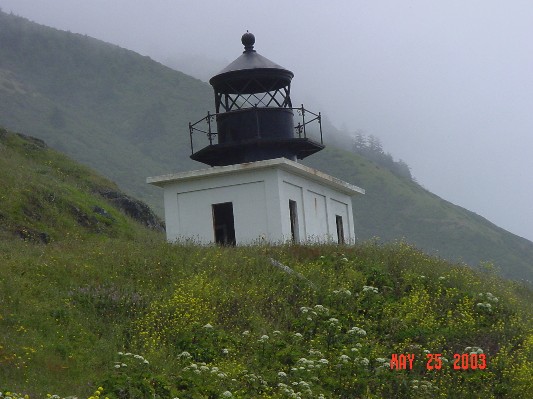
(109,309)
(46,196)
(210,320)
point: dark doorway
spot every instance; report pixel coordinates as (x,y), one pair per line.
(293,214)
(340,229)
(223,223)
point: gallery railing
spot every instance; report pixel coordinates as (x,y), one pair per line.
(205,125)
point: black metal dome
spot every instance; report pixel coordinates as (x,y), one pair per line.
(251,73)
(254,114)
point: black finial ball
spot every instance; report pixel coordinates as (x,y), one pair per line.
(248,40)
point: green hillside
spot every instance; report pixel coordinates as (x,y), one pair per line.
(46,197)
(110,108)
(126,116)
(94,303)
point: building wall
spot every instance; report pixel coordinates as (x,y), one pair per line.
(317,207)
(255,199)
(260,206)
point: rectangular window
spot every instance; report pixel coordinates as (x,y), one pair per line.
(340,229)
(223,223)
(293,214)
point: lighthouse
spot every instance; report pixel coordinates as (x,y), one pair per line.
(254,190)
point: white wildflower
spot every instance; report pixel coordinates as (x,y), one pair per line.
(358,331)
(484,305)
(321,309)
(369,288)
(491,297)
(315,352)
(185,355)
(364,361)
(344,358)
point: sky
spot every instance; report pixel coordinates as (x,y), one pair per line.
(447,85)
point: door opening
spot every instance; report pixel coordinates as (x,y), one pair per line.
(224,223)
(293,214)
(340,229)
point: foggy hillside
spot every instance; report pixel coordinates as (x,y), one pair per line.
(127,116)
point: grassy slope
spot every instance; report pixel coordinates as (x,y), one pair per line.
(106,285)
(46,196)
(51,219)
(126,116)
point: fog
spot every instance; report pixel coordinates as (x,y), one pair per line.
(446,85)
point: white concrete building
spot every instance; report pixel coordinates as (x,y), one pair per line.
(273,200)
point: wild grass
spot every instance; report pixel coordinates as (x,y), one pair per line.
(93,304)
(143,318)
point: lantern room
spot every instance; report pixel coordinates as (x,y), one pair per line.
(254,118)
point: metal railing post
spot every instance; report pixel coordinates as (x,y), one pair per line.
(320,127)
(303,120)
(209,128)
(190,134)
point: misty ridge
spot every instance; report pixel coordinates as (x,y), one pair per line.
(371,148)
